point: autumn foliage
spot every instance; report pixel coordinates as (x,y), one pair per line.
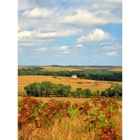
(96,119)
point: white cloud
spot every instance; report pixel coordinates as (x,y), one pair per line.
(63,49)
(111,53)
(24,34)
(111,46)
(63,21)
(38,12)
(46,35)
(29,43)
(81,17)
(57,33)
(79,46)
(95,35)
(36,37)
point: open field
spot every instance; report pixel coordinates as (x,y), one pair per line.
(74,83)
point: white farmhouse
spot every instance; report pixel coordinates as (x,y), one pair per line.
(74,76)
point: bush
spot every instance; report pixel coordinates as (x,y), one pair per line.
(114,90)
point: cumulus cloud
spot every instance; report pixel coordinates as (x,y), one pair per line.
(57,33)
(81,17)
(35,37)
(111,53)
(49,23)
(67,28)
(89,13)
(95,35)
(38,12)
(24,34)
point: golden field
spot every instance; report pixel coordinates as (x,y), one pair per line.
(74,83)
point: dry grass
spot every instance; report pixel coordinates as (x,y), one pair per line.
(116,69)
(75,83)
(51,68)
(65,128)
(65,99)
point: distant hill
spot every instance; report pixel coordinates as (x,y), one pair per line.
(71,67)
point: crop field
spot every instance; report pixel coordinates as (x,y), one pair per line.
(74,83)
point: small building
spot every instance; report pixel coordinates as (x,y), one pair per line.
(74,76)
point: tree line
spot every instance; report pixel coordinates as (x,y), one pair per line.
(97,74)
(47,89)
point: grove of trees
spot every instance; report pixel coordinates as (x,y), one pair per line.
(97,74)
(46,89)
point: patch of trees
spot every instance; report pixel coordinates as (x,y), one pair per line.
(85,74)
(47,89)
(114,91)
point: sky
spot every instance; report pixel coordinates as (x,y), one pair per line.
(66,32)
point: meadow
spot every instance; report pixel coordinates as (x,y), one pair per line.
(93,85)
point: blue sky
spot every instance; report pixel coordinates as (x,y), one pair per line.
(66,32)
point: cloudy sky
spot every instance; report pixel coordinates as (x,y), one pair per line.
(70,32)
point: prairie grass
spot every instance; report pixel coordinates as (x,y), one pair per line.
(78,125)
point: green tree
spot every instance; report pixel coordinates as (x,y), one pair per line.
(87,92)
